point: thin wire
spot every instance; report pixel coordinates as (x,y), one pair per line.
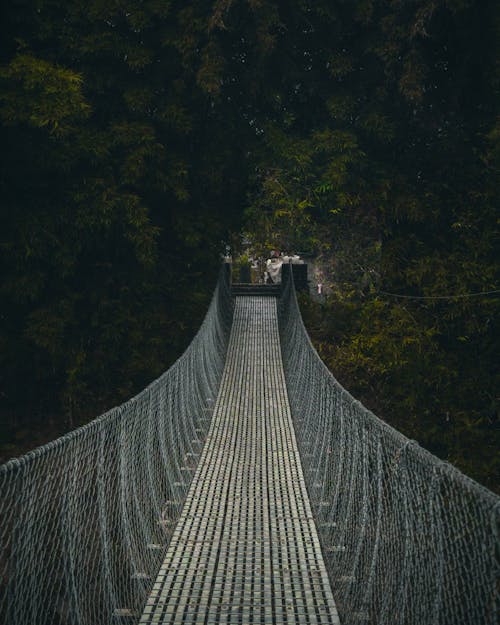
(430,297)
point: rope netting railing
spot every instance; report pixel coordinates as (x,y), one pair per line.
(407,538)
(85,520)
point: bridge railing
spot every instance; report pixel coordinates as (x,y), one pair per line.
(85,520)
(407,538)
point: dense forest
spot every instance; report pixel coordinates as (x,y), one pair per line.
(139,137)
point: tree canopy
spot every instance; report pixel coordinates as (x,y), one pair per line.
(137,136)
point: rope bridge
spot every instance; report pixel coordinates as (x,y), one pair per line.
(197,501)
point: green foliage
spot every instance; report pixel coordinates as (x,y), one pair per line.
(39,94)
(409,364)
(389,171)
(136,134)
(110,215)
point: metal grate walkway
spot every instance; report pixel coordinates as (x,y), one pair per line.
(245,549)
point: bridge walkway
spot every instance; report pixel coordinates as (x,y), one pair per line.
(245,549)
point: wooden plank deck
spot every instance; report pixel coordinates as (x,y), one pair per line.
(245,549)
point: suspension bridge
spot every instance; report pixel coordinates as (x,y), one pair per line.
(245,485)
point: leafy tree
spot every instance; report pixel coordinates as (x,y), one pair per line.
(140,136)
